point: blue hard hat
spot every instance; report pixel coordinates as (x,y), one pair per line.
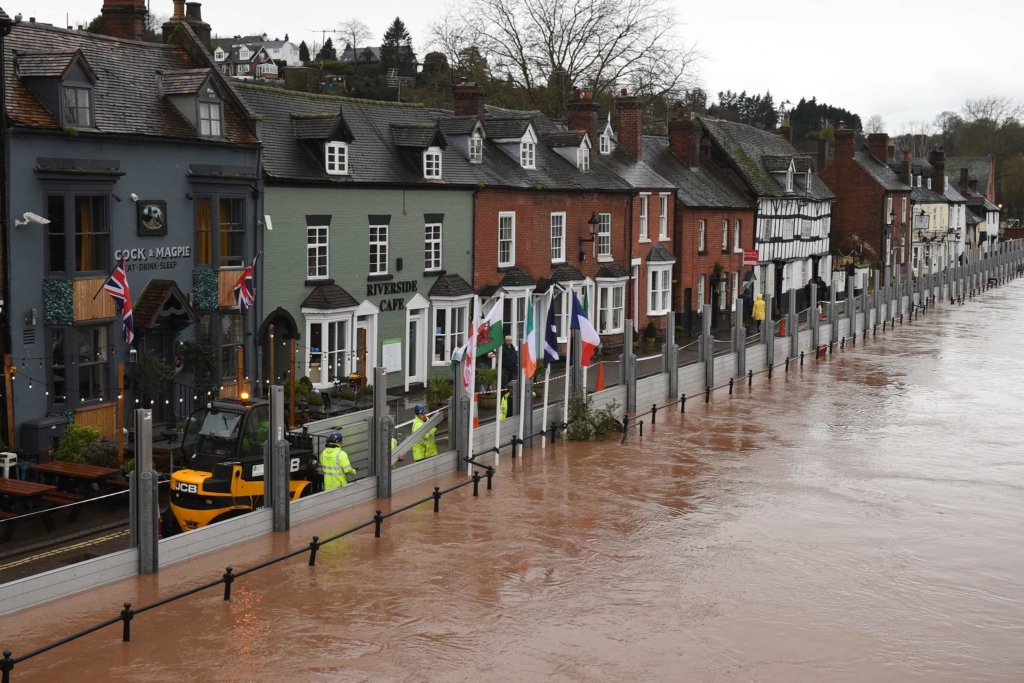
(335,437)
(420,409)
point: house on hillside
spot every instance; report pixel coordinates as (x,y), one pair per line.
(279,50)
(247,62)
(133,150)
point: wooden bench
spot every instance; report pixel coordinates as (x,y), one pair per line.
(62,498)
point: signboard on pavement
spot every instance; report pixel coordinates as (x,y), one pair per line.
(750,257)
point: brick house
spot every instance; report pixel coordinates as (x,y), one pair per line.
(714,223)
(870,218)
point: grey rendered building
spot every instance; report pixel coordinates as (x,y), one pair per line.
(369,239)
(121,148)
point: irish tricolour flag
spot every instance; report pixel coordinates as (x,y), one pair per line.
(530,342)
(588,335)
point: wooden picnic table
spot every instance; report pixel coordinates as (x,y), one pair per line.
(68,476)
(18,497)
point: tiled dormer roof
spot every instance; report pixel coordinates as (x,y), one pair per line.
(329,298)
(416,135)
(568,138)
(183,81)
(449,286)
(659,254)
(703,186)
(458,125)
(126,97)
(49,63)
(506,128)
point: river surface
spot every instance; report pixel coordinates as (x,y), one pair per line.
(859,519)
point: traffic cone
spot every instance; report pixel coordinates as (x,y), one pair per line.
(782,327)
(476,412)
(599,382)
(821,316)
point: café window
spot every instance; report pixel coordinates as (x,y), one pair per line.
(88,245)
(232,336)
(449,330)
(220,231)
(328,351)
(91,343)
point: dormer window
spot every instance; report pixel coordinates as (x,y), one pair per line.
(432,163)
(336,158)
(583,159)
(528,154)
(243,53)
(476,149)
(789,178)
(210,119)
(929,183)
(219,55)
(605,144)
(78,106)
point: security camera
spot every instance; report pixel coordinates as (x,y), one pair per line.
(29,217)
(134,197)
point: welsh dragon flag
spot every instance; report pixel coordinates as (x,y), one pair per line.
(530,342)
(484,336)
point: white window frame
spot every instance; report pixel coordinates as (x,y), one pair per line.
(610,318)
(725,236)
(789,179)
(432,163)
(344,318)
(663,217)
(643,218)
(702,236)
(317,252)
(514,318)
(453,336)
(735,286)
(433,234)
(558,239)
(888,209)
(659,289)
(244,53)
(243,68)
(604,144)
(211,119)
(737,236)
(476,149)
(379,265)
(903,210)
(336,158)
(528,154)
(583,159)
(511,239)
(701,286)
(604,237)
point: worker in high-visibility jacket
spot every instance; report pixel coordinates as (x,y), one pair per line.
(503,406)
(427,447)
(335,464)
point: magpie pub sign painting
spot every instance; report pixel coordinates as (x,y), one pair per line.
(152,217)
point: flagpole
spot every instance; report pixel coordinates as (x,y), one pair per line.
(568,357)
(586,311)
(102,286)
(547,376)
(522,371)
(472,380)
(497,403)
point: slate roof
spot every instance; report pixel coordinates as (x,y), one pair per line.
(566,273)
(659,254)
(506,128)
(612,270)
(639,174)
(417,136)
(924,195)
(972,218)
(315,127)
(747,148)
(516,277)
(49,63)
(126,98)
(329,298)
(700,187)
(977,168)
(953,195)
(458,125)
(568,138)
(450,285)
(881,173)
(184,81)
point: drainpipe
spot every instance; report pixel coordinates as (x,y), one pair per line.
(5,197)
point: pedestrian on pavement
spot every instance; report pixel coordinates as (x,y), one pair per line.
(335,464)
(822,289)
(758,312)
(503,407)
(427,447)
(748,303)
(509,362)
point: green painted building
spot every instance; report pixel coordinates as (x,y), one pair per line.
(368,236)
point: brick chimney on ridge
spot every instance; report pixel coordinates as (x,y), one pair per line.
(937,158)
(822,159)
(844,142)
(964,181)
(583,111)
(684,138)
(469,99)
(190,13)
(878,145)
(630,111)
(124,19)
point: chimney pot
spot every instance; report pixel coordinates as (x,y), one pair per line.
(124,19)
(583,113)
(623,91)
(469,99)
(842,125)
(878,145)
(630,112)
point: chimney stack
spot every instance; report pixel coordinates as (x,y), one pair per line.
(937,158)
(878,145)
(973,185)
(844,143)
(469,99)
(583,111)
(964,181)
(905,168)
(822,159)
(679,134)
(190,13)
(785,130)
(630,111)
(124,19)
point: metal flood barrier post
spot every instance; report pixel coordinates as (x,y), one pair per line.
(866,307)
(739,339)
(147,500)
(628,369)
(793,324)
(670,355)
(526,386)
(768,330)
(279,471)
(833,314)
(851,303)
(383,428)
(813,321)
(899,291)
(709,347)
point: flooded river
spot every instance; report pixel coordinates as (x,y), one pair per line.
(859,519)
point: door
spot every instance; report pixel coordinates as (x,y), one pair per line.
(415,367)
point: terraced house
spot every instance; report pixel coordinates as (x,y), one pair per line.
(119,148)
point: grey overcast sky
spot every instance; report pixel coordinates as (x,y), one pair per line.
(906,60)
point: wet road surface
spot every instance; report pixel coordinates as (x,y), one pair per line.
(861,519)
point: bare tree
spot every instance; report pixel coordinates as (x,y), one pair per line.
(917,137)
(874,124)
(355,33)
(997,110)
(596,44)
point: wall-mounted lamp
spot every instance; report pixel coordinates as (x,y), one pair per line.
(134,197)
(133,356)
(188,196)
(593,223)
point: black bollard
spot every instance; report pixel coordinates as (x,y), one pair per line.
(770,365)
(6,666)
(801,359)
(787,363)
(490,476)
(127,614)
(654,413)
(730,392)
(314,545)
(842,343)
(378,519)
(682,403)
(437,499)
(707,396)
(554,433)
(750,378)
(854,343)
(229,578)
(476,483)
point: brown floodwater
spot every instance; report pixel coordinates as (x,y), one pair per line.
(859,519)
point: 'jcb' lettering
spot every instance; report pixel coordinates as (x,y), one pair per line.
(295,465)
(186,488)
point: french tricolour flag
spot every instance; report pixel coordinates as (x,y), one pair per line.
(588,335)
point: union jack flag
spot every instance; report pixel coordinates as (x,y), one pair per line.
(243,288)
(117,287)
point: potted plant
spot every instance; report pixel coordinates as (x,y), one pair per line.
(486,380)
(316,404)
(77,438)
(650,332)
(438,390)
(150,376)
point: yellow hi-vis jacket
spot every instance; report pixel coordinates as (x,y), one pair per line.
(427,448)
(336,466)
(503,410)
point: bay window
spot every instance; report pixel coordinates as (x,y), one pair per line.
(659,288)
(610,307)
(328,357)
(514,314)
(449,329)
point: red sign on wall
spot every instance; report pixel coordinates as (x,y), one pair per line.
(750,257)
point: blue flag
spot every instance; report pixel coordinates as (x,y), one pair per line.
(550,337)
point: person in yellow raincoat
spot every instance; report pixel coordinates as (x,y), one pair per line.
(335,463)
(758,312)
(427,447)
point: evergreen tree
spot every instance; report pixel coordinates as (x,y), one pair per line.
(396,50)
(327,53)
(303,52)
